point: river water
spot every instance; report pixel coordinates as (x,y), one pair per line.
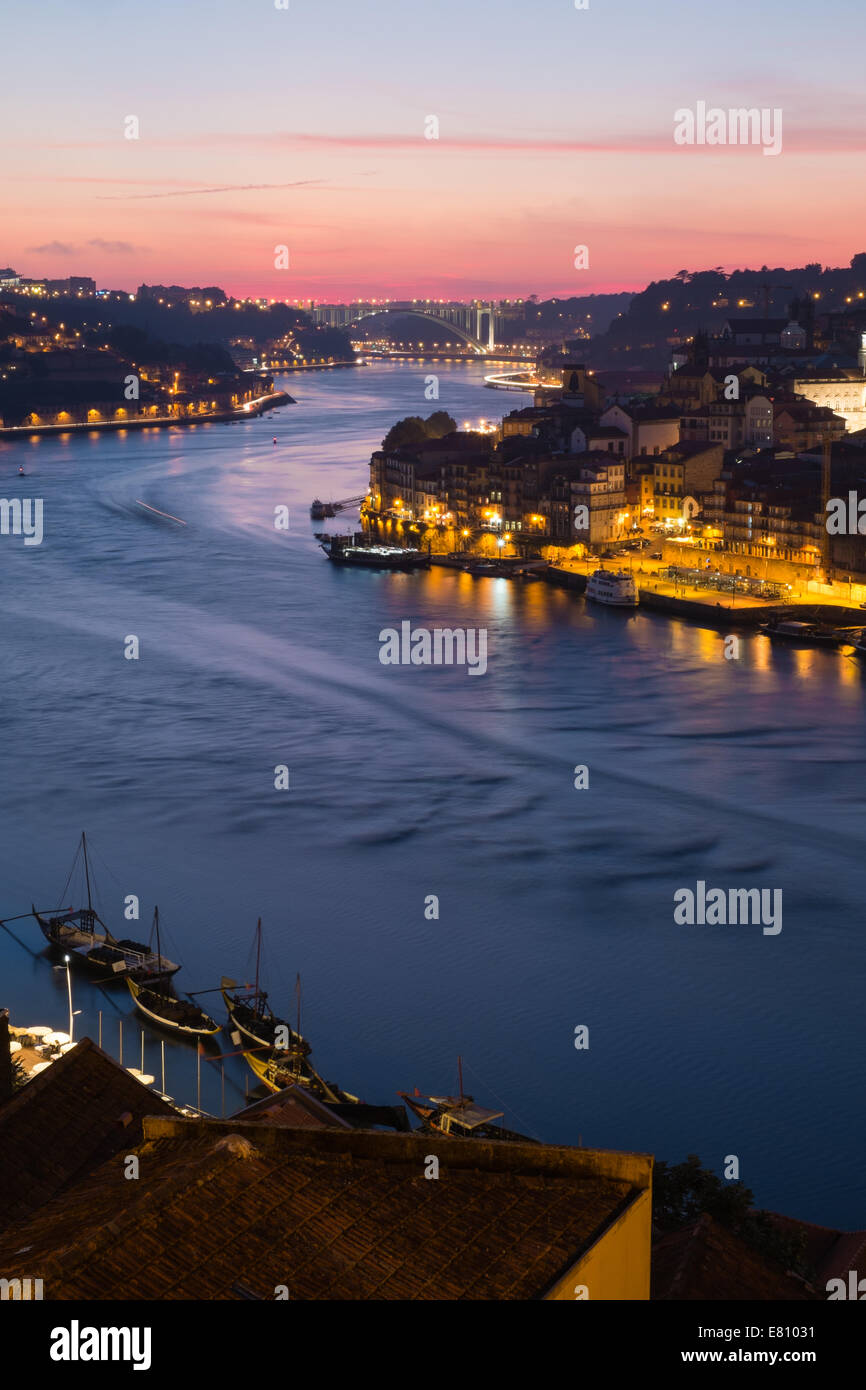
(555,904)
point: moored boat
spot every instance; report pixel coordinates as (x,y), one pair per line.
(615,588)
(808,634)
(490,569)
(82,932)
(459,1116)
(280,1070)
(319,510)
(381,557)
(154,996)
(252,1016)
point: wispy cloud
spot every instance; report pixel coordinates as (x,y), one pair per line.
(225,188)
(802,138)
(66,248)
(54,248)
(119,248)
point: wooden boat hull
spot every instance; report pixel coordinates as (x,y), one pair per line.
(265,1036)
(204,1029)
(277,1077)
(805,637)
(102,952)
(435,1115)
(66,935)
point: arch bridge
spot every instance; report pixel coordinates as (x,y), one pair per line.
(473,324)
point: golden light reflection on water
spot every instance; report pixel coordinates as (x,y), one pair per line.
(651,635)
(760,653)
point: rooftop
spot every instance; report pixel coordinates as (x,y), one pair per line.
(707,1261)
(65,1121)
(331,1214)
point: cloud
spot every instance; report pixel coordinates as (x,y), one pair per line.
(65,248)
(800,138)
(55,248)
(120,248)
(226,188)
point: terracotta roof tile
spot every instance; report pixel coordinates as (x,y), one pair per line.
(707,1261)
(64,1122)
(333,1214)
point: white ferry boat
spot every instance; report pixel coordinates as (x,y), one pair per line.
(615,587)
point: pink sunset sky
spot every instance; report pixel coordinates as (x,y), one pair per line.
(305,127)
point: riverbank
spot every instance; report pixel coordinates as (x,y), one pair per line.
(257,407)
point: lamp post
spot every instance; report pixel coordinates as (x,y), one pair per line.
(73,1013)
(69,993)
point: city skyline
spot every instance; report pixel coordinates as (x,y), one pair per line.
(326,152)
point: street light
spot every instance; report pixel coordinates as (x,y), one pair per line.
(72,1013)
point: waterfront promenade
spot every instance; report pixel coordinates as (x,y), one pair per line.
(141,422)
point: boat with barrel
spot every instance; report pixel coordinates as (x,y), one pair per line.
(278,1070)
(251,1015)
(82,933)
(460,1116)
(156,999)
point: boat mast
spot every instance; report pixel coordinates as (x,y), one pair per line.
(158,947)
(460,1076)
(258,958)
(86,871)
(298,993)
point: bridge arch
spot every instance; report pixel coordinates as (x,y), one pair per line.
(453,329)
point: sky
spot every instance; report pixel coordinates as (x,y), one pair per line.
(307,127)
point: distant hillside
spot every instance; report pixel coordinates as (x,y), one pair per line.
(701,300)
(178,324)
(592,312)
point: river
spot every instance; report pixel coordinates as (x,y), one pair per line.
(556,905)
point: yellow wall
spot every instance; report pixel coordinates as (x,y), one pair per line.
(617,1266)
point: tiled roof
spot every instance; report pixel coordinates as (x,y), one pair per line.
(831,1253)
(758,325)
(332,1215)
(65,1121)
(293,1107)
(707,1261)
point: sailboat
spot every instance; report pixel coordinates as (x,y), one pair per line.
(295,1069)
(82,932)
(154,996)
(252,1015)
(459,1116)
